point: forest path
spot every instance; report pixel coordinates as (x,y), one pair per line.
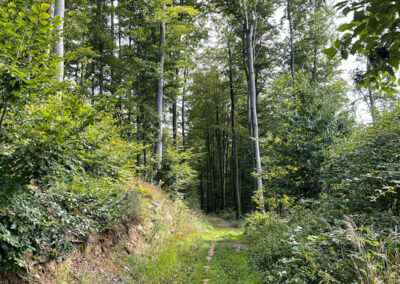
(221,257)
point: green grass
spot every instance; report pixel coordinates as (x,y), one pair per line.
(181,257)
(227,265)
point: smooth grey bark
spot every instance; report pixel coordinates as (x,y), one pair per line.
(235,163)
(139,124)
(113,38)
(371,97)
(219,150)
(175,115)
(160,97)
(201,185)
(225,168)
(59,46)
(101,46)
(289,14)
(246,71)
(253,107)
(185,74)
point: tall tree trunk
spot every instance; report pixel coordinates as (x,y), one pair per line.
(59,46)
(220,158)
(212,171)
(201,185)
(249,121)
(101,47)
(175,115)
(119,38)
(254,119)
(224,167)
(207,204)
(371,97)
(185,73)
(160,97)
(114,39)
(139,120)
(235,163)
(289,14)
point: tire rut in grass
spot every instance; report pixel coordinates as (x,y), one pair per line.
(209,258)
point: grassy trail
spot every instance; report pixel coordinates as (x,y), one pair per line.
(221,257)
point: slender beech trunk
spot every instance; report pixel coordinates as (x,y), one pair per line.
(289,14)
(207,189)
(160,97)
(371,97)
(185,74)
(224,166)
(211,170)
(175,116)
(220,157)
(101,47)
(93,81)
(249,121)
(235,161)
(59,46)
(201,185)
(113,38)
(139,120)
(254,119)
(119,38)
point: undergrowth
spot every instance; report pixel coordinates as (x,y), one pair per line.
(315,245)
(172,238)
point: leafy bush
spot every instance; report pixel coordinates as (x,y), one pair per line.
(296,250)
(45,222)
(319,245)
(302,122)
(60,138)
(366,166)
(176,174)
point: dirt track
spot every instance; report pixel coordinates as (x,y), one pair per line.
(219,222)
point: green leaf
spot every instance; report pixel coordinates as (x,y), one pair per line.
(344,54)
(337,43)
(346,11)
(35,8)
(44,6)
(359,29)
(330,52)
(372,24)
(44,16)
(345,27)
(359,16)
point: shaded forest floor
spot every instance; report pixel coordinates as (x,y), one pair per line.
(222,259)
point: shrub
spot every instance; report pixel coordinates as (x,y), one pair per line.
(320,245)
(366,167)
(43,222)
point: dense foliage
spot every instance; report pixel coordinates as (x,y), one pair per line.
(210,101)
